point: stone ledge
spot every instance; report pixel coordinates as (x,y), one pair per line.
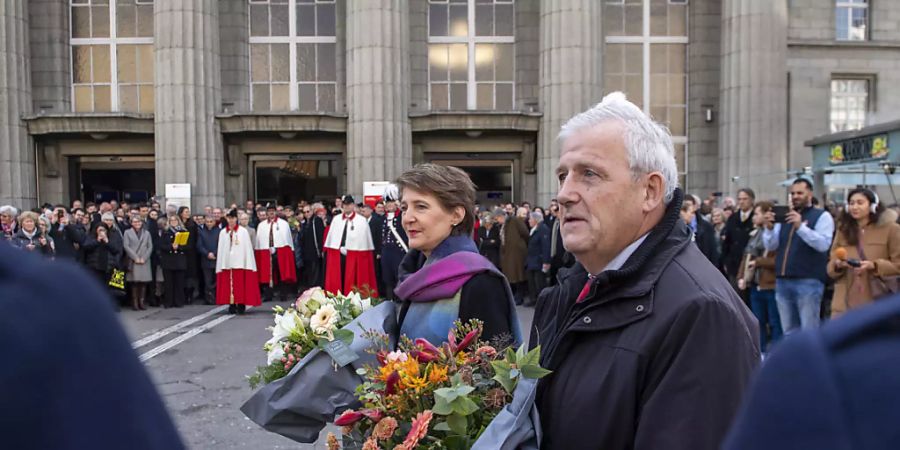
(288,122)
(828,43)
(475,120)
(76,123)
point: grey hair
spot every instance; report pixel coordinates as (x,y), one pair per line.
(536,216)
(649,144)
(9,209)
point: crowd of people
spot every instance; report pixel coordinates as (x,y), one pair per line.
(141,241)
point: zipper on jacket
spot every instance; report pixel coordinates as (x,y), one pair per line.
(787,251)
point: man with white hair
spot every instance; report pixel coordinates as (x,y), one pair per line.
(8,214)
(649,345)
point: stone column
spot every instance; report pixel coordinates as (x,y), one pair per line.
(753,119)
(378,90)
(571,76)
(18,185)
(188,143)
(50,70)
(234,32)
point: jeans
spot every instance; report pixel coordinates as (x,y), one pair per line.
(799,303)
(764,307)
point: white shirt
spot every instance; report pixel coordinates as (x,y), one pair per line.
(620,259)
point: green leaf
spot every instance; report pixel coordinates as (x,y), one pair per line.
(442,407)
(344,335)
(510,355)
(464,406)
(531,358)
(447,394)
(535,372)
(458,424)
(501,369)
(464,390)
(514,373)
(443,426)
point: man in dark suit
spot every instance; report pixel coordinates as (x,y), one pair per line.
(704,234)
(537,261)
(90,390)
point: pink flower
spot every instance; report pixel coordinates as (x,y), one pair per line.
(373,414)
(371,444)
(385,429)
(419,429)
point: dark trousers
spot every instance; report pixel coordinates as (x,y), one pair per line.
(281,290)
(174,287)
(390,270)
(209,284)
(537,281)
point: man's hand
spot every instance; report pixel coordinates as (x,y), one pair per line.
(344,251)
(210,256)
(545,268)
(794,218)
(742,284)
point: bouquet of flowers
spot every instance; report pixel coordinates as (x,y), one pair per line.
(314,320)
(426,397)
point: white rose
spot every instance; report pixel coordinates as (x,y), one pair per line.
(325,319)
(274,355)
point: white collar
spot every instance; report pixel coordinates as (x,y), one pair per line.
(620,259)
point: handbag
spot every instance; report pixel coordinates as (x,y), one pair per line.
(879,286)
(117,279)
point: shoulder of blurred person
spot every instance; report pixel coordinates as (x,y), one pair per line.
(836,387)
(57,399)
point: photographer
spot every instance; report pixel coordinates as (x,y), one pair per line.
(29,237)
(802,244)
(67,236)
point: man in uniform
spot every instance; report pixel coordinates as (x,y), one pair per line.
(349,253)
(275,255)
(394,242)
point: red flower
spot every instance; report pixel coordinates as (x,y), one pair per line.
(467,341)
(451,339)
(419,429)
(373,414)
(391,383)
(423,357)
(349,417)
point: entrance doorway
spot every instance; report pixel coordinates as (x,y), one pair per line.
(288,180)
(124,179)
(493,178)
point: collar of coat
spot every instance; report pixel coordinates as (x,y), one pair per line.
(642,270)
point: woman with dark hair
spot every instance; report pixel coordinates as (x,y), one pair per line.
(443,277)
(102,252)
(192,270)
(865,251)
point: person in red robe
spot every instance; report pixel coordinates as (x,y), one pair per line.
(275,256)
(237,282)
(350,253)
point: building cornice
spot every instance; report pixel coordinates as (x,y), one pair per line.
(98,123)
(832,44)
(284,123)
(475,121)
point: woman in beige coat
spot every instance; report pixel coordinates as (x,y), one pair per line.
(513,250)
(138,245)
(865,225)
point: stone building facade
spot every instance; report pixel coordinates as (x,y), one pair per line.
(299,99)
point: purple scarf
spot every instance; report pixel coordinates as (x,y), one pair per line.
(451,265)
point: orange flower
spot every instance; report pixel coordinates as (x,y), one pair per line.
(419,429)
(333,442)
(437,375)
(371,444)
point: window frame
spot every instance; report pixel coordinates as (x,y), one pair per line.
(850,6)
(471,40)
(292,40)
(870,81)
(112,42)
(647,40)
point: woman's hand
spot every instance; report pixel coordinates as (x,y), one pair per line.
(840,265)
(174,246)
(742,284)
(865,266)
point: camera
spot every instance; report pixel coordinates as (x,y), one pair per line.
(854,262)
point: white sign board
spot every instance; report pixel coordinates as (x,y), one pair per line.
(372,188)
(178,194)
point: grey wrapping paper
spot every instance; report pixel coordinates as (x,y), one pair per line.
(299,405)
(517,426)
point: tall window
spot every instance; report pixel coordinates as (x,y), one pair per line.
(851,19)
(112,55)
(849,103)
(471,54)
(646,58)
(292,55)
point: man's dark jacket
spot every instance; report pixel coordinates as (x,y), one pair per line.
(69,378)
(834,388)
(66,240)
(208,242)
(538,248)
(737,234)
(656,357)
(706,240)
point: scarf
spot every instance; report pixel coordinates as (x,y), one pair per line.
(434,288)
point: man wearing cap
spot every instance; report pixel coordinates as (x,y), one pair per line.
(393,240)
(237,282)
(275,254)
(349,253)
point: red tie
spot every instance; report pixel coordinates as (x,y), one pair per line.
(584,292)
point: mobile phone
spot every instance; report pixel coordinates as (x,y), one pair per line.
(781,212)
